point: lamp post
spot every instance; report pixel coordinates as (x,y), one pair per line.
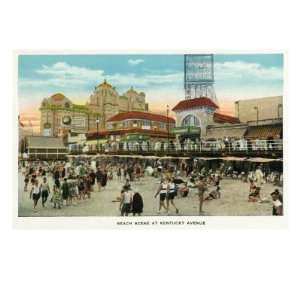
(256,108)
(97,123)
(168,127)
(278,110)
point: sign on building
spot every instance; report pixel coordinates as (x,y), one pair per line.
(78,122)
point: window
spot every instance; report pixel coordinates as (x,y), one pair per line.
(146,123)
(125,124)
(190,120)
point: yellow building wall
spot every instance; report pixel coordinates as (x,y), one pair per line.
(268,108)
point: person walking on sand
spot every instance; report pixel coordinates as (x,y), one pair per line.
(56,197)
(104,179)
(126,201)
(45,191)
(201,190)
(99,178)
(35,194)
(162,191)
(119,173)
(26,181)
(171,192)
(259,177)
(65,192)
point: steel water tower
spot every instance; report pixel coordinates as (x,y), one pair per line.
(199,76)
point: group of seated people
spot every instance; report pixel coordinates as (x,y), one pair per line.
(254,191)
(213,180)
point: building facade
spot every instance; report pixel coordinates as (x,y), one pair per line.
(45,147)
(199,118)
(60,116)
(134,127)
(251,110)
(194,116)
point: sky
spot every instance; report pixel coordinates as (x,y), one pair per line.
(160,77)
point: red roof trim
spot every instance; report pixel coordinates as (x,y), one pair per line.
(140,115)
(196,102)
(221,118)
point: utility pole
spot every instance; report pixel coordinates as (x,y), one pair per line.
(97,123)
(168,127)
(256,108)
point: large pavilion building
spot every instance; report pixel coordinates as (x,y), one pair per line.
(194,117)
(60,116)
(199,118)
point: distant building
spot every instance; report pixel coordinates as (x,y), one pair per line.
(105,102)
(59,115)
(135,126)
(251,110)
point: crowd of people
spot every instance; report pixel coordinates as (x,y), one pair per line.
(224,144)
(76,180)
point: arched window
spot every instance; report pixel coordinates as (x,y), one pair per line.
(190,120)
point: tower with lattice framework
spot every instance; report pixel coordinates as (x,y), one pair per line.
(199,76)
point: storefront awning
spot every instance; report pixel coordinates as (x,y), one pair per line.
(95,142)
(226,131)
(135,138)
(189,130)
(264,132)
(261,159)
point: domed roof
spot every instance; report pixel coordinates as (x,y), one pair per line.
(58,97)
(104,84)
(132,91)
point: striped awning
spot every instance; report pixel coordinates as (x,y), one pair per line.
(222,132)
(264,132)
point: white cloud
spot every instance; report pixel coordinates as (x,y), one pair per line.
(135,62)
(62,69)
(233,79)
(243,70)
(145,80)
(62,75)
